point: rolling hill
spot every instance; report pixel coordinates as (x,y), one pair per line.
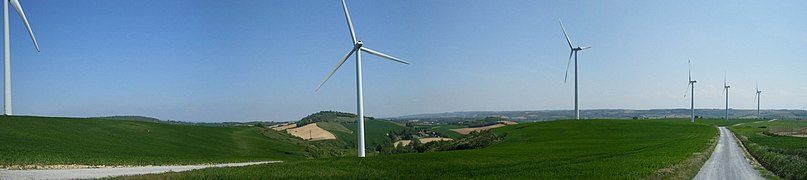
(585,149)
(28,140)
(343,126)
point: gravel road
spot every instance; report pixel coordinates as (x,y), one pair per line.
(727,161)
(92,173)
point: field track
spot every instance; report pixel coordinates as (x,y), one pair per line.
(94,173)
(727,161)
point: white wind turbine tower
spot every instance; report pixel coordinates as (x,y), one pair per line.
(758,98)
(691,84)
(574,51)
(7,50)
(726,90)
(357,48)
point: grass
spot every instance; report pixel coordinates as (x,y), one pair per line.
(580,149)
(446,130)
(26,140)
(723,122)
(375,131)
(785,156)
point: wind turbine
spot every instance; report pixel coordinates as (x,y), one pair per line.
(726,90)
(758,98)
(7,50)
(573,51)
(692,85)
(358,47)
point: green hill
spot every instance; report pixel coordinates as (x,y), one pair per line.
(131,118)
(579,149)
(375,131)
(343,126)
(26,140)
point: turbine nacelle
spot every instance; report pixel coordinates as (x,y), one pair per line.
(358,44)
(693,82)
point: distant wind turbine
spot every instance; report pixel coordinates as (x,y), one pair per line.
(573,51)
(691,84)
(758,98)
(358,47)
(726,90)
(7,50)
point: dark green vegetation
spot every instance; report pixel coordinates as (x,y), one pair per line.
(328,116)
(785,156)
(584,149)
(89,141)
(487,121)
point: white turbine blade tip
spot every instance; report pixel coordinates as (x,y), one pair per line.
(379,54)
(349,22)
(335,68)
(565,34)
(18,8)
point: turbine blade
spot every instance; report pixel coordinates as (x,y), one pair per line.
(349,22)
(687,91)
(724,80)
(18,7)
(568,63)
(379,54)
(689,69)
(335,68)
(566,35)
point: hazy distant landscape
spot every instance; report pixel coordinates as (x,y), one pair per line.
(543,115)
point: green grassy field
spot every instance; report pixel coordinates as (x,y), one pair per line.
(375,131)
(446,130)
(721,122)
(47,140)
(570,149)
(785,156)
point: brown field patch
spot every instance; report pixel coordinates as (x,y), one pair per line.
(311,132)
(469,130)
(284,126)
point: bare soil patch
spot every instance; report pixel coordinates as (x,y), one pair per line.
(422,140)
(284,127)
(311,132)
(469,130)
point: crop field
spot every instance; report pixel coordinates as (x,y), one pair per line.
(785,156)
(87,141)
(375,131)
(446,130)
(572,149)
(722,122)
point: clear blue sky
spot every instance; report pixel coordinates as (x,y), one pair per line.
(209,61)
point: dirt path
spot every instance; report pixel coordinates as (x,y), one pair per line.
(727,161)
(95,173)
